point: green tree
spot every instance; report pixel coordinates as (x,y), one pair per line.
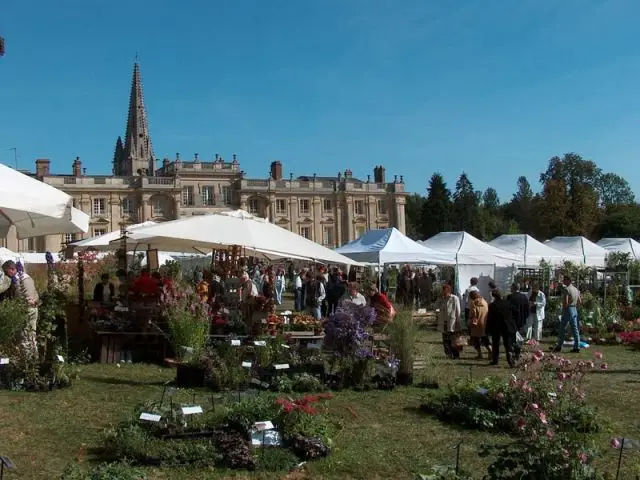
(620,221)
(413,215)
(614,190)
(550,209)
(466,207)
(520,208)
(580,180)
(436,211)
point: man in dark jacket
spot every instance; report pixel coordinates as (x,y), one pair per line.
(520,305)
(501,325)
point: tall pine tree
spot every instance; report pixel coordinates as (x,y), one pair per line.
(465,207)
(436,211)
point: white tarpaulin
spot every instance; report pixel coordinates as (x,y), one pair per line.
(475,258)
(590,254)
(33,206)
(389,245)
(103,242)
(531,252)
(622,245)
(225,229)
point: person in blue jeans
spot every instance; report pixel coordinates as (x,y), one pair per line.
(570,302)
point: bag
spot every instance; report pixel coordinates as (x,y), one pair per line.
(519,338)
(458,341)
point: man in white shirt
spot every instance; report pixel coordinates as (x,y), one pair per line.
(297,291)
(353,296)
(473,287)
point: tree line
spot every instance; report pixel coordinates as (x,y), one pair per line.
(576,198)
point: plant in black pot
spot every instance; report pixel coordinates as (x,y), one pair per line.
(188,323)
(402,336)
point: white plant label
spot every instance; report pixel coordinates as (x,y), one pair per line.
(191,410)
(246,364)
(285,346)
(235,343)
(255,381)
(314,346)
(150,417)
(282,366)
(4,361)
(260,343)
(60,358)
(262,426)
(264,385)
(482,391)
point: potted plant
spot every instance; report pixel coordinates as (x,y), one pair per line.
(188,323)
(402,337)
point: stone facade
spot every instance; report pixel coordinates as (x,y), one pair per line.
(329,210)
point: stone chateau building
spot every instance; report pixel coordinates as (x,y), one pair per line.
(329,210)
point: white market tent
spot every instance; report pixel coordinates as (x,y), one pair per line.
(531,252)
(225,229)
(389,245)
(475,258)
(103,242)
(589,253)
(36,208)
(622,245)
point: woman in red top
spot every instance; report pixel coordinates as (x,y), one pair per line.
(384,309)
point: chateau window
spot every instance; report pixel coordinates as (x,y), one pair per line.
(281,206)
(157,207)
(327,237)
(327,205)
(69,238)
(254,206)
(226,195)
(358,207)
(99,231)
(99,206)
(187,197)
(305,232)
(304,206)
(206,194)
(382,207)
(127,206)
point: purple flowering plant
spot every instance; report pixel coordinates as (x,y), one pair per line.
(347,331)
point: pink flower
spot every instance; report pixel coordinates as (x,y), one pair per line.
(598,355)
(562,376)
(538,353)
(535,359)
(591,364)
(534,406)
(532,342)
(543,417)
(565,452)
(604,366)
(550,433)
(583,457)
(615,443)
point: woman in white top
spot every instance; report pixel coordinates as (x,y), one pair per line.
(537,304)
(449,322)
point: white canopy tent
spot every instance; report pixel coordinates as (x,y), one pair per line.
(530,251)
(103,243)
(588,252)
(475,258)
(224,229)
(622,245)
(389,245)
(36,208)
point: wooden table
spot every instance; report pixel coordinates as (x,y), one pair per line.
(116,347)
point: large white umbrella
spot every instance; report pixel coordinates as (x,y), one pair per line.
(103,242)
(224,229)
(33,206)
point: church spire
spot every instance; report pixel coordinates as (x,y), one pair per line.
(137,153)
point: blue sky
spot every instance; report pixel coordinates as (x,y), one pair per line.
(491,87)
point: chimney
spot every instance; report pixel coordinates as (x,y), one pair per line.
(77,167)
(165,162)
(379,174)
(276,170)
(42,167)
(347,173)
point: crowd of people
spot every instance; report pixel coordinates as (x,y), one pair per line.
(508,320)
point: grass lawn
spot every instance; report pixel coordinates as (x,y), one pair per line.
(384,436)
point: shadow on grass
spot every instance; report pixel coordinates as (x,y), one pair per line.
(610,372)
(120,381)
